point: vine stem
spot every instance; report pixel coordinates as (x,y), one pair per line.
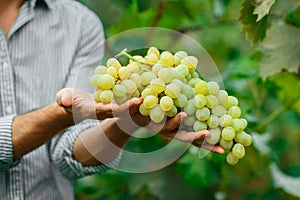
(271,117)
(124,53)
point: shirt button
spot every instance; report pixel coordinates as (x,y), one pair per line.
(8,110)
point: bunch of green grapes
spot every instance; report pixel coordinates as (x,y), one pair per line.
(168,83)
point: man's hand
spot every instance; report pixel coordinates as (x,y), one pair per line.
(82,105)
(169,128)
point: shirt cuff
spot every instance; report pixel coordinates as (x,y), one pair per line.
(6,145)
(63,154)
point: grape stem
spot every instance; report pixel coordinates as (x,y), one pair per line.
(124,53)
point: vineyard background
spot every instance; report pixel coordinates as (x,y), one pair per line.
(256,45)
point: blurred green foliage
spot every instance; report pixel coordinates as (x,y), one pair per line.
(262,73)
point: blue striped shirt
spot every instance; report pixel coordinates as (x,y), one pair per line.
(50,42)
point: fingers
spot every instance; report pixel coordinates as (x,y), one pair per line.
(213,148)
(64,97)
(185,136)
(173,123)
(128,108)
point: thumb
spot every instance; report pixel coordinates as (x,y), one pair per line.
(64,97)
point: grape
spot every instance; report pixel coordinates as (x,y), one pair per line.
(147,77)
(213,121)
(222,97)
(228,133)
(201,87)
(243,138)
(165,74)
(213,88)
(112,71)
(106,82)
(231,159)
(225,120)
(97,95)
(151,58)
(166,103)
(190,120)
(124,73)
(244,121)
(100,69)
(94,80)
(238,150)
(179,83)
(182,70)
(172,90)
(199,101)
(199,126)
(225,144)
(156,68)
(167,59)
(106,96)
(190,109)
(153,50)
(195,75)
(137,79)
(172,112)
(157,114)
(143,110)
(150,101)
(238,125)
(136,93)
(193,82)
(202,114)
(218,110)
(129,85)
(231,101)
(235,112)
(119,90)
(181,100)
(214,136)
(114,63)
(146,92)
(188,91)
(138,58)
(157,85)
(133,67)
(178,56)
(121,100)
(190,61)
(211,101)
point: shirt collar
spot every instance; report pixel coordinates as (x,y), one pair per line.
(49,3)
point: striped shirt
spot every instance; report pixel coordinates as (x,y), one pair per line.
(51,42)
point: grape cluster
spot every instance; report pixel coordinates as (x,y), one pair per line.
(169,84)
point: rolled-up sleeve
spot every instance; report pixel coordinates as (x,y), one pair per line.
(63,158)
(6,145)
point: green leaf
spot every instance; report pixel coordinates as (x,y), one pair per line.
(288,93)
(281,50)
(262,8)
(293,17)
(196,172)
(255,30)
(287,183)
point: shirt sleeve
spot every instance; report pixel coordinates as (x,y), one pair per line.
(88,56)
(62,154)
(6,146)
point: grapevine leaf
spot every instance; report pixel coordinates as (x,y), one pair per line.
(293,17)
(255,30)
(288,95)
(287,183)
(281,50)
(197,172)
(262,8)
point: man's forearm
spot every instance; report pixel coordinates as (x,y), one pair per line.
(33,129)
(102,143)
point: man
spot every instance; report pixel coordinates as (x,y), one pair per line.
(43,46)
